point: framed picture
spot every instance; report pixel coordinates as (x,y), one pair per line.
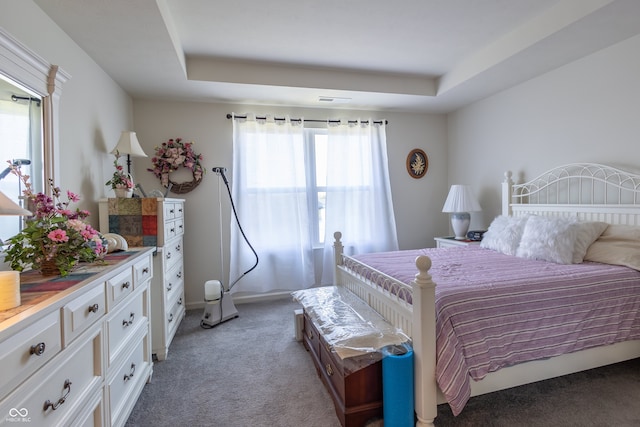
(417,163)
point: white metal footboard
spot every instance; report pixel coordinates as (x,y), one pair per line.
(417,320)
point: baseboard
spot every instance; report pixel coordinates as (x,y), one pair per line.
(261,297)
(245,299)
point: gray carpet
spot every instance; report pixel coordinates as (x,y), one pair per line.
(250,371)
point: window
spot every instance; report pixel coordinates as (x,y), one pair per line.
(294,184)
(308,178)
(316,140)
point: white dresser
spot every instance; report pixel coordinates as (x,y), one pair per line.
(79,355)
(167,295)
(167,288)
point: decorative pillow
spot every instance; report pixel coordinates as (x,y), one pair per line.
(587,233)
(504,234)
(549,239)
(618,245)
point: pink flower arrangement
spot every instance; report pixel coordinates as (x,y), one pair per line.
(55,233)
(172,155)
(120,178)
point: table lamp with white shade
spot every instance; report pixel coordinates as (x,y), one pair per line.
(10,280)
(459,203)
(128,144)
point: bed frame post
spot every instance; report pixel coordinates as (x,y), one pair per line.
(338,249)
(424,343)
(507,188)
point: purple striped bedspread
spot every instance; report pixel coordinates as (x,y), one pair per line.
(498,310)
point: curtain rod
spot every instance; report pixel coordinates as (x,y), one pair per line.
(377,122)
(25,98)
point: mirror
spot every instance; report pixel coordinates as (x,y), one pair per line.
(21,145)
(26,75)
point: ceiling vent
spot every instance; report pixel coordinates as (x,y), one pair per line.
(334,100)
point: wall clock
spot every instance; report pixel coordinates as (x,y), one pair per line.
(417,163)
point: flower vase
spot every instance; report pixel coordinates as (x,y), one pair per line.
(123,192)
(49,268)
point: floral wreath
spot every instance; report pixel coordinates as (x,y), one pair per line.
(172,155)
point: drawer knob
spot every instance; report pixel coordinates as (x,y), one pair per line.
(329,369)
(179,274)
(67,389)
(37,349)
(310,334)
(93,308)
(168,255)
(130,321)
(171,210)
(128,376)
(170,317)
(178,248)
(145,270)
(126,285)
(169,287)
(180,301)
(173,230)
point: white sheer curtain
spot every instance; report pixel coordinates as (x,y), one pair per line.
(269,190)
(277,193)
(359,202)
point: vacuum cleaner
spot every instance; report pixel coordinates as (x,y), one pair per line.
(219,305)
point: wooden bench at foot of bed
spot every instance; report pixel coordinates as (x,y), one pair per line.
(345,338)
(357,396)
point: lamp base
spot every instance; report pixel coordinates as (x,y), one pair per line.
(460,224)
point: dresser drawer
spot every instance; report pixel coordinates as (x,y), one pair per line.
(358,380)
(127,378)
(172,253)
(179,210)
(173,282)
(119,286)
(22,354)
(311,335)
(179,226)
(176,294)
(83,312)
(123,323)
(170,230)
(54,396)
(92,415)
(171,211)
(333,371)
(142,271)
(175,313)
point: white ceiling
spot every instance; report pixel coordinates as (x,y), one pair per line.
(405,55)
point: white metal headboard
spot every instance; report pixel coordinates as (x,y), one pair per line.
(587,191)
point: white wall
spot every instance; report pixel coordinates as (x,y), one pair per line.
(417,203)
(586,111)
(93,108)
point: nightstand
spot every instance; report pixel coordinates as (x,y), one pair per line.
(448,242)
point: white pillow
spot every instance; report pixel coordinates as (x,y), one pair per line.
(618,245)
(587,233)
(504,234)
(549,239)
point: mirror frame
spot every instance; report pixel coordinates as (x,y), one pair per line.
(25,67)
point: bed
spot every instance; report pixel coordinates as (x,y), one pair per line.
(582,192)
